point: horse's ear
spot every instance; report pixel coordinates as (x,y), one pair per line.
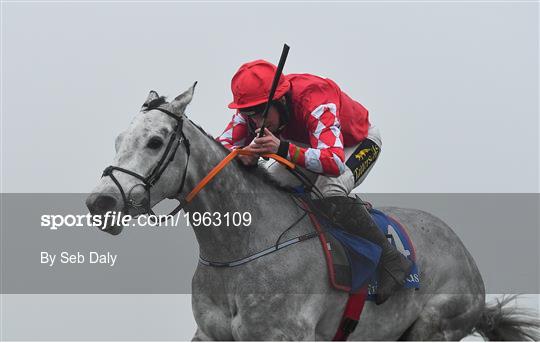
(180,103)
(153,95)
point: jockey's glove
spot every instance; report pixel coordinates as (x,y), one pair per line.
(283,149)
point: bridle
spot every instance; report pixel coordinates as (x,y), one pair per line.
(177,138)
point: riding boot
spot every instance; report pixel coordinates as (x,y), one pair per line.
(351,215)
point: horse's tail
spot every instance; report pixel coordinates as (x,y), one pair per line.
(503,322)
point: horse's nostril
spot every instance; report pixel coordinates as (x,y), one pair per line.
(104,203)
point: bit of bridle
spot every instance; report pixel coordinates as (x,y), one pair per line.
(177,138)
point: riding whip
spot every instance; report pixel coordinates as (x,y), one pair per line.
(279,69)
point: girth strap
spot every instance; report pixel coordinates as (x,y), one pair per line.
(351,316)
(261,253)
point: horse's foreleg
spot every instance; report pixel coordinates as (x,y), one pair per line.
(213,321)
(278,317)
(200,336)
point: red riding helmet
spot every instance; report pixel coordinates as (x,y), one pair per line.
(252,82)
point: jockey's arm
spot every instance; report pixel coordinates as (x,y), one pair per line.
(326,155)
(235,133)
(235,136)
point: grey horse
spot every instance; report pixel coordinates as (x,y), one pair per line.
(286,295)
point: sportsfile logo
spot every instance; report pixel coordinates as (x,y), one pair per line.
(109,219)
(118,219)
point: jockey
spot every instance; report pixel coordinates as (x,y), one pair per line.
(314,124)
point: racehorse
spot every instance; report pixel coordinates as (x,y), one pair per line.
(286,295)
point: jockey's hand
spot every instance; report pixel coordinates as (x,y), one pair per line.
(268,144)
(248,160)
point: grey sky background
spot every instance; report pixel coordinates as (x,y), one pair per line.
(452,86)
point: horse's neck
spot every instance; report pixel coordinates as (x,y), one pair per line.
(233,190)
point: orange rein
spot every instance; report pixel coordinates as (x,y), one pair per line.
(226,161)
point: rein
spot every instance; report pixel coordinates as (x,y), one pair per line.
(167,157)
(216,170)
(226,161)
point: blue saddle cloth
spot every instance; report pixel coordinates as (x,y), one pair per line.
(400,239)
(362,256)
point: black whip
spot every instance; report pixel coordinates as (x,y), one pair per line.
(279,69)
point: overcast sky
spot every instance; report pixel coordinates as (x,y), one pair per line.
(452,86)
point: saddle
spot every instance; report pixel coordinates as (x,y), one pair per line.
(352,261)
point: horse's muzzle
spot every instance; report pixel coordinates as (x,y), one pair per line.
(113,230)
(100,204)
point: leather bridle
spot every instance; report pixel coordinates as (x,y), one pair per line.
(177,138)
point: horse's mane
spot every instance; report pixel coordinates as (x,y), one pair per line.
(161,100)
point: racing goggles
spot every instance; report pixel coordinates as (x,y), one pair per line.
(253,111)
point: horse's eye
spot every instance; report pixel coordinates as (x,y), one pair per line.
(155,143)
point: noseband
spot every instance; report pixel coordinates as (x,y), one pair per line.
(149,181)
